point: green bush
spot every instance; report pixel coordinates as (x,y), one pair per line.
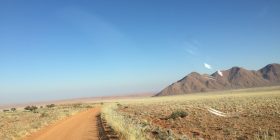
(77,105)
(31,108)
(118,104)
(50,106)
(44,114)
(13,109)
(178,113)
(89,106)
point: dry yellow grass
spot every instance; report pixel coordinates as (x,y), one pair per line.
(251,114)
(16,125)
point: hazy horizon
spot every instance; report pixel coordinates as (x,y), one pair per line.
(51,50)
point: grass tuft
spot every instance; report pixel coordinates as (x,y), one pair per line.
(177,114)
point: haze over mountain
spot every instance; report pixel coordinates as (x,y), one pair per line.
(233,78)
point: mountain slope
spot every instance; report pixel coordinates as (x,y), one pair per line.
(233,78)
(271,72)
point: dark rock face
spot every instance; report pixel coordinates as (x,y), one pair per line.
(271,72)
(233,78)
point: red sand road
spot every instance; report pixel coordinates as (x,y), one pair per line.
(82,126)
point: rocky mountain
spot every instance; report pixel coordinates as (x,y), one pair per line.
(233,78)
(271,72)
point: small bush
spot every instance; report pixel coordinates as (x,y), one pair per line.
(6,110)
(118,104)
(77,105)
(178,113)
(28,108)
(44,114)
(50,106)
(31,108)
(89,106)
(13,109)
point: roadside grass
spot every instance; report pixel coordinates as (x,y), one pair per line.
(127,128)
(17,124)
(252,114)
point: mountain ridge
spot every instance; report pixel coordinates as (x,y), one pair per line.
(233,78)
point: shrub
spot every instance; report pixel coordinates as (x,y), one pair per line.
(13,109)
(50,106)
(89,106)
(77,105)
(6,110)
(27,108)
(118,104)
(31,108)
(178,113)
(44,114)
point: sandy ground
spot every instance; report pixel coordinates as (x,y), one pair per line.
(82,126)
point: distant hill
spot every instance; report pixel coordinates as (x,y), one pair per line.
(233,78)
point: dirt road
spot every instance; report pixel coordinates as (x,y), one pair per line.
(82,126)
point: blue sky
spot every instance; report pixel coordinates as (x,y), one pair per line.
(53,49)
